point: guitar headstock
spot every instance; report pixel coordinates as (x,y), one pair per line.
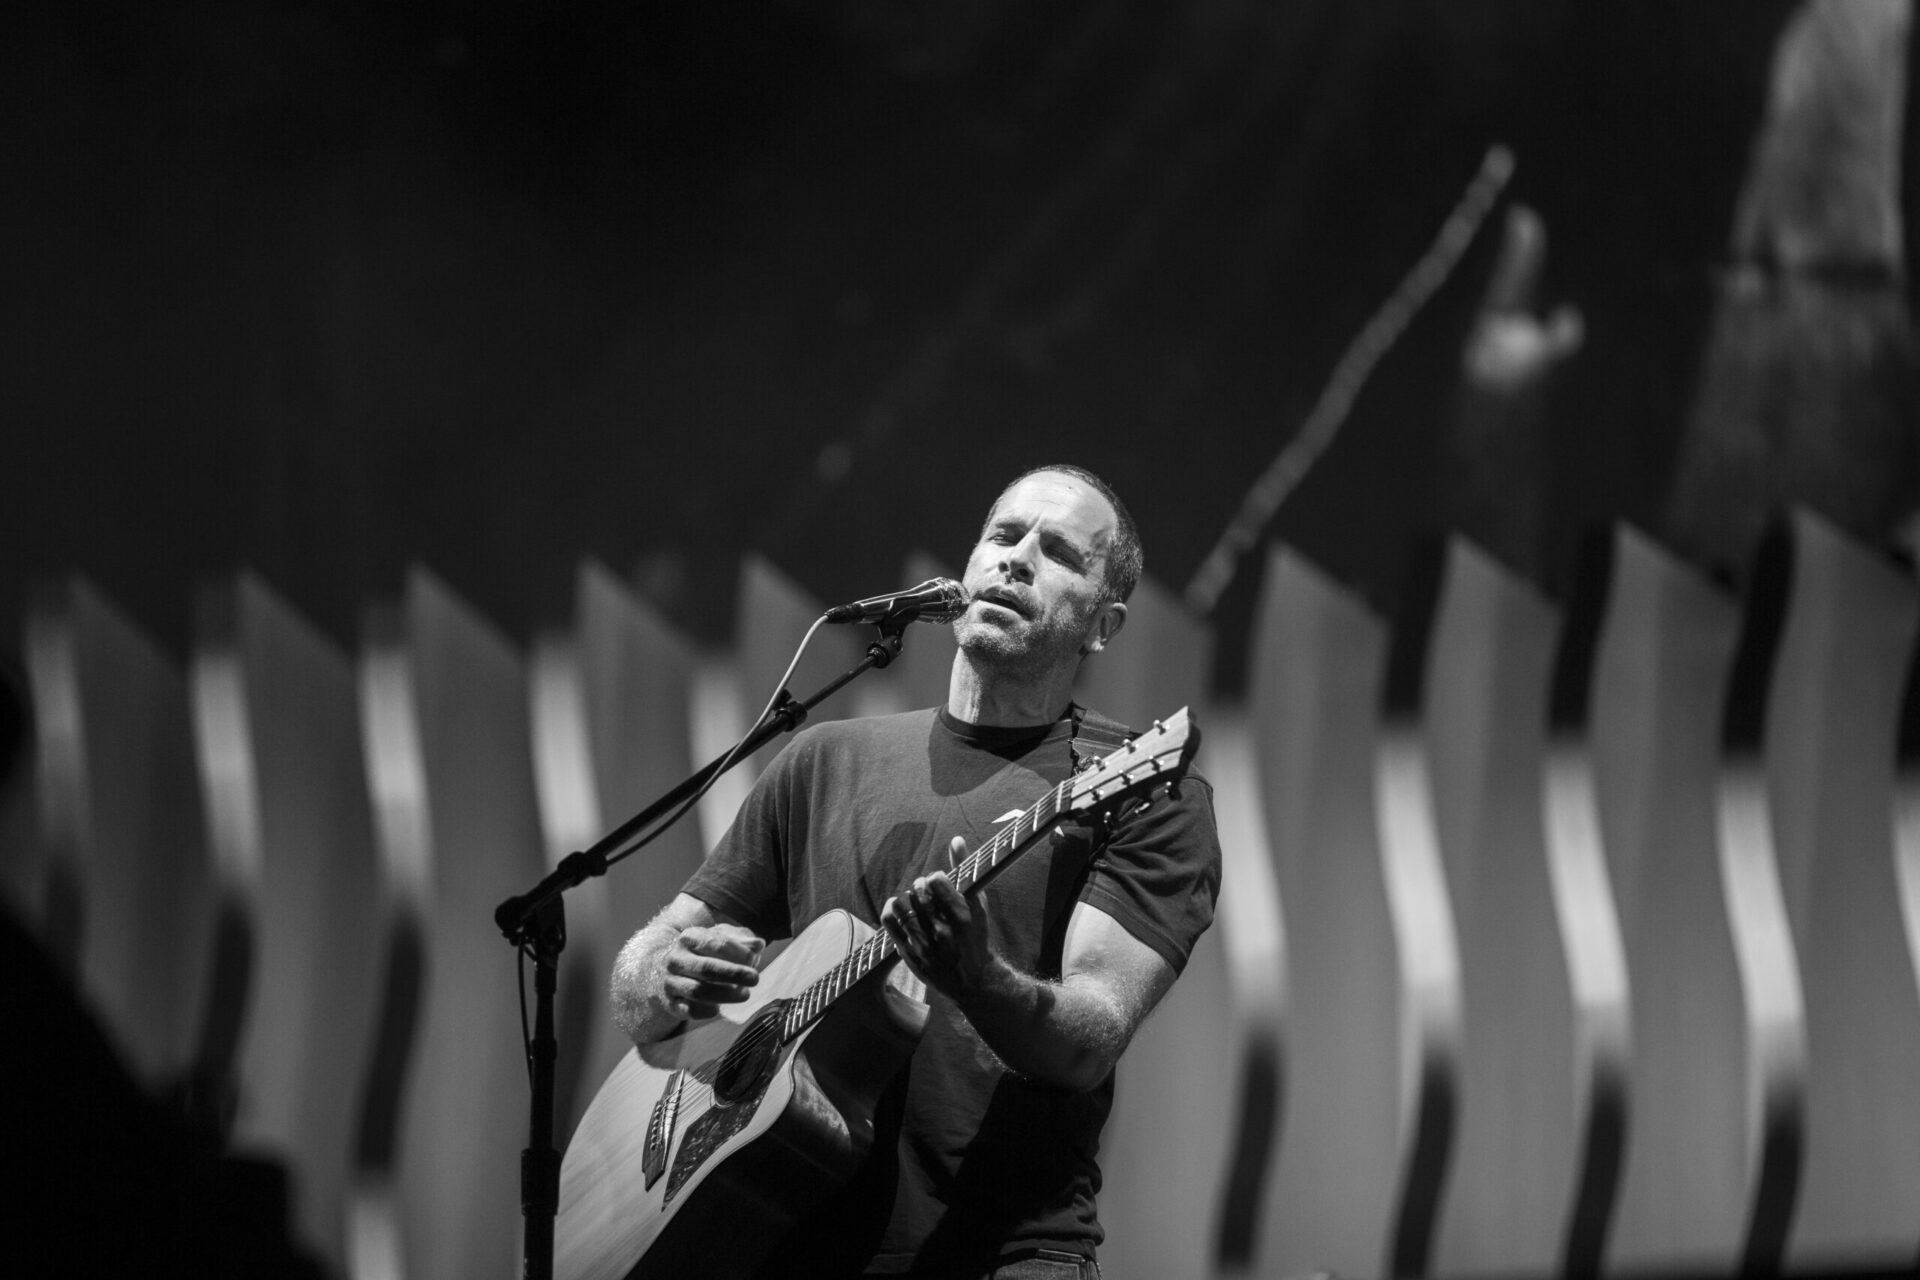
(1154,759)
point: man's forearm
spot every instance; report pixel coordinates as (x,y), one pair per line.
(686,964)
(1063,1033)
(637,991)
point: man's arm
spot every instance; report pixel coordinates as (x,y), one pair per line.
(1068,1033)
(687,962)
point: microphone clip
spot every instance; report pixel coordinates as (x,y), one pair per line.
(886,646)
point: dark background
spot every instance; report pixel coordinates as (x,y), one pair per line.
(325,289)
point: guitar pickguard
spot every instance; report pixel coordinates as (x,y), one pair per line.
(707,1135)
(739,1079)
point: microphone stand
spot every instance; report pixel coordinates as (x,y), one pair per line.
(535,921)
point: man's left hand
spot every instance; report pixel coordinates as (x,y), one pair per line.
(937,931)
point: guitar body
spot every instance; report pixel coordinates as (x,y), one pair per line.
(699,1152)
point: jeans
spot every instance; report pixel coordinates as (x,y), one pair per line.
(1047,1265)
(1042,1264)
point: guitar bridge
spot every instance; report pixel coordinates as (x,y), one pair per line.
(660,1127)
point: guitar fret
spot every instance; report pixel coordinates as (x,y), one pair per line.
(1141,761)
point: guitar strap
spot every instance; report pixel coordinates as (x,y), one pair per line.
(1095,737)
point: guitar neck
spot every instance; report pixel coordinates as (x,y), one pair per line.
(973,872)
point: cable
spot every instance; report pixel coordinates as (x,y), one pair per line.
(727,761)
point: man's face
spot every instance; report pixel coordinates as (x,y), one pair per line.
(1036,574)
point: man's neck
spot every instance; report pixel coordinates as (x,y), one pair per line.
(993,697)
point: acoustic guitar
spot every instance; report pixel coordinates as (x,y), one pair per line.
(700,1150)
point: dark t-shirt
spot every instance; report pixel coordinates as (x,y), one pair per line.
(846,816)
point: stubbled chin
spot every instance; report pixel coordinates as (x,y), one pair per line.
(979,635)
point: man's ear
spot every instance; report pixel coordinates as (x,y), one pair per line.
(1106,625)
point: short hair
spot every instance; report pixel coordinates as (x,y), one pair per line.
(1125,558)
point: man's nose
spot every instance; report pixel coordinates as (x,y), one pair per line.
(1018,560)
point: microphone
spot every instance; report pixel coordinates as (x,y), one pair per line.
(935,600)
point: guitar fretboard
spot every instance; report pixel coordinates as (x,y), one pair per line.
(1161,752)
(974,871)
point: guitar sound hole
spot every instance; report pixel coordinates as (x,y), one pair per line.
(748,1063)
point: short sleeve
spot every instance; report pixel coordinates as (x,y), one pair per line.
(744,876)
(1159,872)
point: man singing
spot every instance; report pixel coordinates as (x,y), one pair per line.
(985,1164)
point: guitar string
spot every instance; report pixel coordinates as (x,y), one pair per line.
(831,985)
(824,990)
(970,871)
(804,1008)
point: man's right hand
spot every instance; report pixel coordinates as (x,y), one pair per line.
(708,966)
